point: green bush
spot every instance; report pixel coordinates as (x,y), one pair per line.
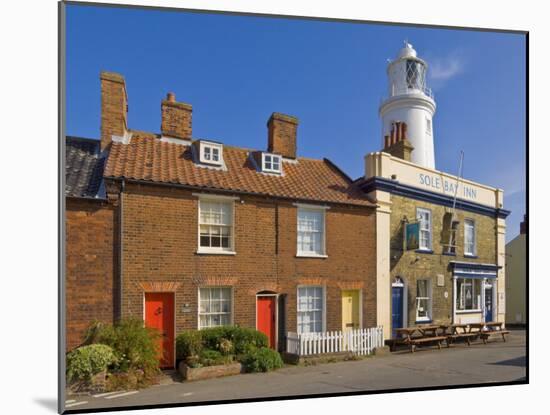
(86,361)
(212,336)
(225,346)
(262,359)
(135,346)
(227,340)
(244,338)
(213,357)
(188,343)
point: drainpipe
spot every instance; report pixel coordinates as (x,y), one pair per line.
(120,243)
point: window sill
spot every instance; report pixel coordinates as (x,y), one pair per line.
(449,253)
(214,252)
(311,256)
(470,256)
(467,311)
(424,251)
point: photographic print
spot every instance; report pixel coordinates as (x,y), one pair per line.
(266,207)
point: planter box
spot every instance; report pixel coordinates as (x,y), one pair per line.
(208,372)
(97,384)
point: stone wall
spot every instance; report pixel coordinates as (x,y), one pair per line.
(413,265)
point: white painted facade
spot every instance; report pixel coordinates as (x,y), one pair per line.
(411,101)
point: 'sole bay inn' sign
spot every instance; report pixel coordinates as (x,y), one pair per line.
(441,184)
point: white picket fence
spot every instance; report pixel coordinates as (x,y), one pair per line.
(359,341)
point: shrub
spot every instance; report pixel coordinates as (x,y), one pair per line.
(213,335)
(188,343)
(134,345)
(244,339)
(225,347)
(262,359)
(213,357)
(132,379)
(227,340)
(86,361)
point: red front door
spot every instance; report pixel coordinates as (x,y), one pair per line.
(265,310)
(159,314)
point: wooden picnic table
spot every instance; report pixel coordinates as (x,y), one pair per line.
(493,328)
(426,333)
(458,331)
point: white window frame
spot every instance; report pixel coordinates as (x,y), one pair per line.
(231,299)
(207,147)
(429,298)
(230,201)
(323,307)
(429,212)
(272,158)
(474,238)
(318,209)
(459,293)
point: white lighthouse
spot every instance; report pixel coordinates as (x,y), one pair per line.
(410,101)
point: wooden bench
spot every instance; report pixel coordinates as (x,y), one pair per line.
(414,341)
(493,328)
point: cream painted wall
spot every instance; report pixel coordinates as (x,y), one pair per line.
(383,285)
(516,280)
(384,165)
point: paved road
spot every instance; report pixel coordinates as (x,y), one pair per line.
(494,362)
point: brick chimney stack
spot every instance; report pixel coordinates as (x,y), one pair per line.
(114,107)
(281,130)
(397,143)
(176,118)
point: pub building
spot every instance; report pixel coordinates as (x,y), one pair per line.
(440,238)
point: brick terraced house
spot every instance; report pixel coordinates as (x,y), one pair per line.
(188,233)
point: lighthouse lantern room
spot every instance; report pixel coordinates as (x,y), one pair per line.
(410,101)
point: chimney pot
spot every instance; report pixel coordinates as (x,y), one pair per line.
(171,97)
(386,141)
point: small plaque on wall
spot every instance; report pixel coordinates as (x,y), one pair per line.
(186,308)
(440,280)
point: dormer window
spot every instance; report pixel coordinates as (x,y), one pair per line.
(271,163)
(211,153)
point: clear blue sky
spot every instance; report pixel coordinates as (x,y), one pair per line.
(237,70)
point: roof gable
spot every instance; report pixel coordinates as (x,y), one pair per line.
(83,168)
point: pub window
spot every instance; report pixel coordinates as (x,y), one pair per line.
(423,300)
(424,217)
(469,237)
(468,294)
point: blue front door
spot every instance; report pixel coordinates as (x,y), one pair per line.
(488,302)
(396,308)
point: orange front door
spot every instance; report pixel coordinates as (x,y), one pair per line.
(159,314)
(265,309)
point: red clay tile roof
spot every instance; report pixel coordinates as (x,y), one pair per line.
(146,158)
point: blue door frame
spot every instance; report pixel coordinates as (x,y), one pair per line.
(396,308)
